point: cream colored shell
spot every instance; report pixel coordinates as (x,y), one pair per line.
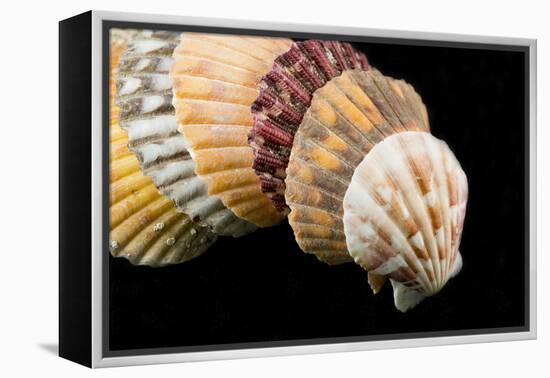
(403,214)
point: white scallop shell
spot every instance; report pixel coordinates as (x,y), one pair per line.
(144,92)
(403,215)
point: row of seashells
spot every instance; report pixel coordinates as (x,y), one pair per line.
(217,135)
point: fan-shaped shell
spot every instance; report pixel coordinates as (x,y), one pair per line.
(348,116)
(145,227)
(403,214)
(145,96)
(285,96)
(215,81)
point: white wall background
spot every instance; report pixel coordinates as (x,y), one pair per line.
(28,151)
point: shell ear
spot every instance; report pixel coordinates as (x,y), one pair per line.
(376,282)
(405,298)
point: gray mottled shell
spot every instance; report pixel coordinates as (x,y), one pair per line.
(144,93)
(145,227)
(403,214)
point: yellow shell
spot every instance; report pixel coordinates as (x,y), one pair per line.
(215,80)
(145,227)
(347,118)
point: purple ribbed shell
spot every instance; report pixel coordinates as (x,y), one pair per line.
(285,95)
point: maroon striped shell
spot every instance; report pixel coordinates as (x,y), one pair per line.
(285,95)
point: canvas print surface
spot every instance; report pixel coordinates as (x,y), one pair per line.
(274,190)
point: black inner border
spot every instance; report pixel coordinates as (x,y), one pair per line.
(106,27)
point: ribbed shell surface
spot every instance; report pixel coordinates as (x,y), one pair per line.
(403,214)
(285,96)
(145,97)
(348,116)
(145,227)
(216,80)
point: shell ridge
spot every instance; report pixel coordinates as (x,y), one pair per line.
(298,205)
(383,127)
(320,190)
(222,41)
(312,142)
(133,203)
(435,154)
(340,134)
(334,230)
(402,110)
(174,71)
(381,221)
(426,212)
(330,173)
(412,103)
(377,159)
(276,50)
(346,121)
(219,81)
(395,103)
(445,194)
(230,59)
(157,208)
(380,135)
(398,125)
(462,197)
(410,257)
(124,188)
(410,198)
(145,250)
(381,102)
(155,138)
(182,253)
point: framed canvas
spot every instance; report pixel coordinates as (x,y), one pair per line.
(236,189)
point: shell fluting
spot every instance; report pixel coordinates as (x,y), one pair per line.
(285,95)
(145,97)
(145,227)
(403,214)
(348,116)
(220,134)
(215,81)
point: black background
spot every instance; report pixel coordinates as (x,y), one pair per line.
(263,288)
